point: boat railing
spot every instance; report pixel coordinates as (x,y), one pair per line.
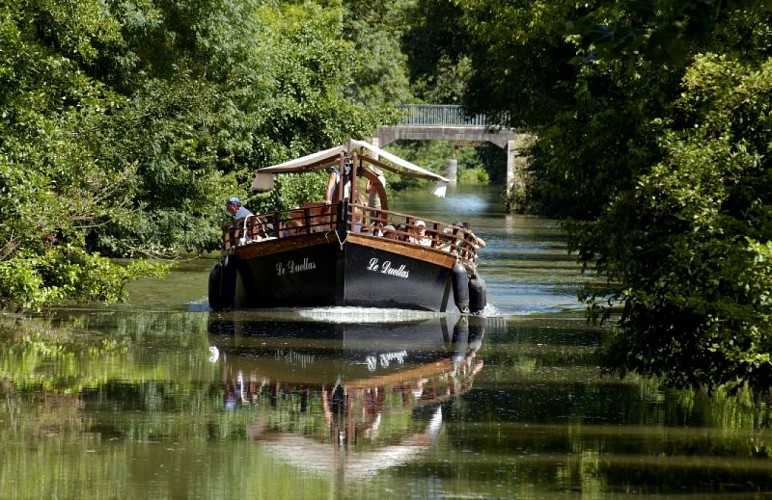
(407,228)
(362,219)
(311,218)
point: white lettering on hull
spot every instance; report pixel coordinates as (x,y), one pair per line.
(292,267)
(386,268)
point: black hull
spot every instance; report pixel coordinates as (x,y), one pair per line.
(353,274)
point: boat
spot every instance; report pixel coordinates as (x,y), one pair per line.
(346,252)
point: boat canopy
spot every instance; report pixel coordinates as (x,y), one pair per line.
(323,159)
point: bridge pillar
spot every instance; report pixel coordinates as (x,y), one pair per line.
(510,167)
(517,163)
(451,171)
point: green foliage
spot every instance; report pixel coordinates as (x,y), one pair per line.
(205,128)
(474,175)
(65,274)
(380,74)
(590,80)
(691,243)
(291,191)
(473,165)
(124,127)
(436,46)
(654,133)
(55,182)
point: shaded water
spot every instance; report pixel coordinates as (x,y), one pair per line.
(162,399)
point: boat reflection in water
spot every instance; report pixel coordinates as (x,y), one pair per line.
(345,399)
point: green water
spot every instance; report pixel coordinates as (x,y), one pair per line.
(160,398)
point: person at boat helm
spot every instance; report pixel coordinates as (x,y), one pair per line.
(234,207)
(333,183)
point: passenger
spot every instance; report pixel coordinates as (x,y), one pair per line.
(447,239)
(479,242)
(356,222)
(237,232)
(458,236)
(234,207)
(331,194)
(292,228)
(332,185)
(418,234)
(401,230)
(268,231)
(390,232)
(373,198)
(376,228)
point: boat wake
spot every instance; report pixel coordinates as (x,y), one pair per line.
(200,305)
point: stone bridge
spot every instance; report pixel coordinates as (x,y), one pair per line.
(435,122)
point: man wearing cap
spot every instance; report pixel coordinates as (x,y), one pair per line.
(233,205)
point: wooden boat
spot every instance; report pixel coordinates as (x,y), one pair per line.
(347,253)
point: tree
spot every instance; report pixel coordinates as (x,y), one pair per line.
(435,46)
(206,126)
(53,186)
(653,146)
(380,74)
(692,243)
(124,126)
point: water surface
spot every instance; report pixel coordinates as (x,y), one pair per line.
(161,398)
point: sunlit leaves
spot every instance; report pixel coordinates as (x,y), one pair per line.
(124,126)
(697,228)
(64,274)
(654,130)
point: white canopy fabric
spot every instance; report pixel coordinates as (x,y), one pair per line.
(306,163)
(396,160)
(330,156)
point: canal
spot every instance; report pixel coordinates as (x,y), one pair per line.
(161,398)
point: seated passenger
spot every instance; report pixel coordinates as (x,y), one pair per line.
(447,240)
(478,242)
(418,234)
(376,228)
(292,228)
(390,232)
(356,222)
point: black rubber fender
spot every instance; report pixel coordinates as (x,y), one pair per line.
(460,287)
(228,283)
(477,294)
(215,286)
(222,285)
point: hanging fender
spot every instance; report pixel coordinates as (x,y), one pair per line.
(477,294)
(215,297)
(460,287)
(222,284)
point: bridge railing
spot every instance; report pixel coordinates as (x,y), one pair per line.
(440,115)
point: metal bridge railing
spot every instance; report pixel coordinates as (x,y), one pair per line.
(440,115)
